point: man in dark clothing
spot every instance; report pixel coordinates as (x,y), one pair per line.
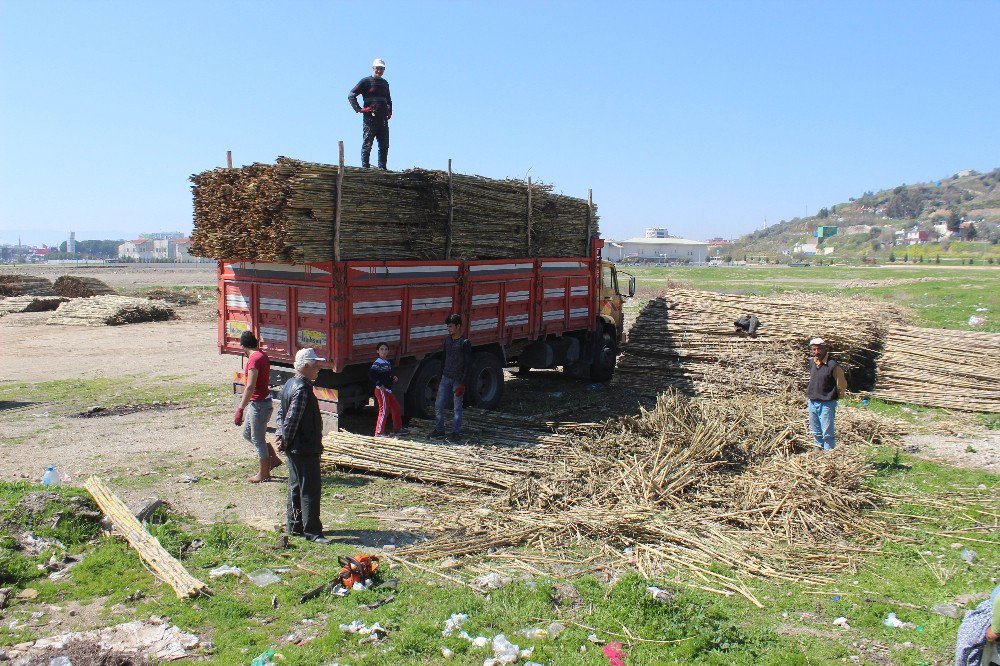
(377,111)
(455,370)
(826,384)
(300,436)
(748,324)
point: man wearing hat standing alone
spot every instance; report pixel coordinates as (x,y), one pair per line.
(300,436)
(377,111)
(826,384)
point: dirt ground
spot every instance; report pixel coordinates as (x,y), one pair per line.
(193,457)
(126,277)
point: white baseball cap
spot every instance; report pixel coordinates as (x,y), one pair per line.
(307,355)
(817,341)
(379,63)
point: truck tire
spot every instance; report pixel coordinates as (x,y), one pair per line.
(603,367)
(487,381)
(422,391)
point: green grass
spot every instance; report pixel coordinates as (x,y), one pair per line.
(946,302)
(240,618)
(113,392)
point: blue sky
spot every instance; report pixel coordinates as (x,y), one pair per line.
(704,117)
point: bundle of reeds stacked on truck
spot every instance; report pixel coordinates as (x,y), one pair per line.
(687,340)
(25,285)
(80,287)
(110,311)
(288,212)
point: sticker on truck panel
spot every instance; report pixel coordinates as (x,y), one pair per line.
(235,329)
(310,338)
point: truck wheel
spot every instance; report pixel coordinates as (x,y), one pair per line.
(422,391)
(603,366)
(487,381)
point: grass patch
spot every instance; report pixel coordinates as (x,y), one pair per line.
(113,392)
(795,627)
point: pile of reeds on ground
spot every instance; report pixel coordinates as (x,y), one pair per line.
(286,212)
(177,297)
(940,368)
(677,489)
(110,311)
(25,285)
(687,340)
(73,286)
(30,304)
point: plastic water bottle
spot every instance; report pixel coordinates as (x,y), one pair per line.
(51,476)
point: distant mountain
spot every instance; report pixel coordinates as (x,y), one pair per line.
(868,225)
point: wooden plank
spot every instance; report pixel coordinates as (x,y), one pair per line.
(340,193)
(159,560)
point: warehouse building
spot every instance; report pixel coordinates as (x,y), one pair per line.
(656,250)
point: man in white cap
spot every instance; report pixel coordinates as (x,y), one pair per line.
(827,384)
(377,110)
(300,436)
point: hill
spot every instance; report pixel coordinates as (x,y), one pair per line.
(960,218)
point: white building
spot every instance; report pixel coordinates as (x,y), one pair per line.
(159,249)
(662,249)
(140,249)
(657,232)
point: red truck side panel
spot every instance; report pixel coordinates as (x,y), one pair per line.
(344,310)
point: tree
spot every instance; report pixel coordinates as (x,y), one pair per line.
(970,232)
(906,257)
(892,256)
(823,213)
(937,259)
(954,220)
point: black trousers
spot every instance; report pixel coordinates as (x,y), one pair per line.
(375,128)
(304,491)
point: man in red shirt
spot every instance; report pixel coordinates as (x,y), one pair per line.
(256,407)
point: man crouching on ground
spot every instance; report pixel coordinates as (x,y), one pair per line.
(827,383)
(300,436)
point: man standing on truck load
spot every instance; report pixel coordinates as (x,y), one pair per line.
(300,436)
(255,406)
(827,383)
(456,366)
(377,111)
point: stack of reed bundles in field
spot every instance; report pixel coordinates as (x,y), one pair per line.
(30,304)
(286,212)
(25,285)
(687,340)
(81,287)
(940,368)
(110,311)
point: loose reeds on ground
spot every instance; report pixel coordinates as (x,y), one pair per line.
(110,311)
(81,287)
(677,489)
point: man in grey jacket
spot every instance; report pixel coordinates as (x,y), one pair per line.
(456,367)
(300,436)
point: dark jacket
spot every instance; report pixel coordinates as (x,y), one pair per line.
(826,379)
(380,373)
(299,421)
(375,93)
(457,365)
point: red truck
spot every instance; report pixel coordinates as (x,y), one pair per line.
(524,313)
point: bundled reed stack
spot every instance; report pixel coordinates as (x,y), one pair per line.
(287,212)
(30,304)
(81,287)
(25,285)
(940,368)
(687,340)
(110,311)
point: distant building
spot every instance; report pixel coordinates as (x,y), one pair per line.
(665,249)
(917,236)
(71,243)
(162,235)
(805,248)
(657,232)
(159,249)
(140,249)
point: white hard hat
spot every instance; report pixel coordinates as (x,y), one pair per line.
(817,341)
(379,63)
